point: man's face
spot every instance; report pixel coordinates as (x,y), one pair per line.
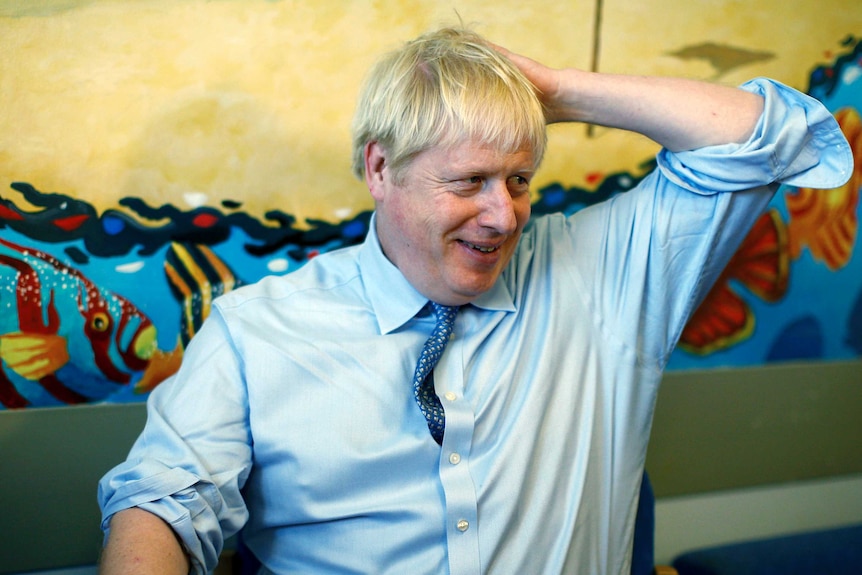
(451,222)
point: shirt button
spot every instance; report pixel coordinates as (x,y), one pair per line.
(454,459)
(463,525)
(450,395)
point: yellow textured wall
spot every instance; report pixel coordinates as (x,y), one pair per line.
(191,102)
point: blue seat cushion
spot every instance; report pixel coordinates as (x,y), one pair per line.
(829,552)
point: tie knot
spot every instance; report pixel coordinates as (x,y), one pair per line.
(445,313)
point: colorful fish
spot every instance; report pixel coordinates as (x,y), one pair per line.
(762,265)
(825,220)
(196,276)
(64,340)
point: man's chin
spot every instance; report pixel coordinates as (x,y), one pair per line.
(467,291)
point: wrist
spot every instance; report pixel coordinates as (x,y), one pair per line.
(570,103)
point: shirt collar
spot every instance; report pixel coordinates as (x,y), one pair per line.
(395,301)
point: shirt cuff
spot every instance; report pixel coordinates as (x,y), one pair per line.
(176,496)
(797,141)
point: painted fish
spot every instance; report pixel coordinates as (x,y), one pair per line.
(762,265)
(196,276)
(825,220)
(63,339)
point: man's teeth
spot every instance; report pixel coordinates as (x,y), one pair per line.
(480,248)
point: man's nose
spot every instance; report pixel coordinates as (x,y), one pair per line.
(497,209)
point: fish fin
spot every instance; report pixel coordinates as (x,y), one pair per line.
(162,365)
(722,320)
(762,263)
(33,356)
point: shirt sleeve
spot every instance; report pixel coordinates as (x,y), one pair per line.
(194,454)
(796,142)
(647,257)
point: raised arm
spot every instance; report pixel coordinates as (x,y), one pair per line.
(142,544)
(679,114)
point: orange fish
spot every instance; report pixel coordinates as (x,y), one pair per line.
(762,265)
(825,220)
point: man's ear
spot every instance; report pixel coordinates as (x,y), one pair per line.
(375,164)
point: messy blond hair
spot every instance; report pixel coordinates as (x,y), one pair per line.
(443,88)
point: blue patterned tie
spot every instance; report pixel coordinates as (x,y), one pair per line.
(423,380)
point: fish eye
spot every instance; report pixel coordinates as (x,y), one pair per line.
(100,322)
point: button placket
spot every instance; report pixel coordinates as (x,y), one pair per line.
(459,489)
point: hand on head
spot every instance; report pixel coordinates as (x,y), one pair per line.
(546,80)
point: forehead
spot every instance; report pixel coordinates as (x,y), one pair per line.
(476,156)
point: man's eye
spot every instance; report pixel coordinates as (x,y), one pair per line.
(519,182)
(475,179)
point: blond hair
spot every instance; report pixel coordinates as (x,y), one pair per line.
(443,88)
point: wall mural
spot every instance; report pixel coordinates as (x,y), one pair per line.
(99,297)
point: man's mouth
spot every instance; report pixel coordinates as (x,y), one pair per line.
(483,249)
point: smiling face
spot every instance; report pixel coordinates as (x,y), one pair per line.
(450,219)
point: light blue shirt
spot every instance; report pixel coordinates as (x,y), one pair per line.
(293,414)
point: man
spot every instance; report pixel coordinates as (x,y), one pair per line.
(299,415)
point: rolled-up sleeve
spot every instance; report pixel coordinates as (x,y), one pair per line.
(796,142)
(192,459)
(651,255)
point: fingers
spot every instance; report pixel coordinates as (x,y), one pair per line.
(547,82)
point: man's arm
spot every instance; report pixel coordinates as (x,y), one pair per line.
(141,543)
(679,114)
